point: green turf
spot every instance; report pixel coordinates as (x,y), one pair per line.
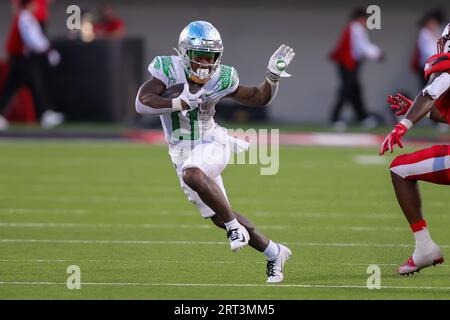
(337,216)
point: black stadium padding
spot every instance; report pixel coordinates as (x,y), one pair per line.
(97,81)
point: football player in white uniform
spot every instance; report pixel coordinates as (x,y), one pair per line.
(199,148)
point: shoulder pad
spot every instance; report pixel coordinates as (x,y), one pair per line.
(228,77)
(437,63)
(162,67)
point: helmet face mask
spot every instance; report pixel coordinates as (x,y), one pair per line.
(443,45)
(202,63)
(200,49)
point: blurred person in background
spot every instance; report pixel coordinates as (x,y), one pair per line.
(41,11)
(430,31)
(25,47)
(108,24)
(353,47)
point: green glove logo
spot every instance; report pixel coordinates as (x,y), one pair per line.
(281,65)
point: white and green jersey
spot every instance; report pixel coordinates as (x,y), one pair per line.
(193,125)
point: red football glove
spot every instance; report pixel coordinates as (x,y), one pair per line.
(394,137)
(399,103)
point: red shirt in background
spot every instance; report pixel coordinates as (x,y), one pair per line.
(109,27)
(342,54)
(41,12)
(14,42)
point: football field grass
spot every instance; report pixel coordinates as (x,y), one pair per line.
(116,210)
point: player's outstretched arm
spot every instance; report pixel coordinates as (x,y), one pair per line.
(265,92)
(253,96)
(402,104)
(422,105)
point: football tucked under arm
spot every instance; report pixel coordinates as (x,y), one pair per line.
(149,99)
(153,98)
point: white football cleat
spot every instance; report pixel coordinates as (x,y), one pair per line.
(239,238)
(4,124)
(420,260)
(275,267)
(51,119)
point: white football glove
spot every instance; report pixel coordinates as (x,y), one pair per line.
(193,100)
(278,63)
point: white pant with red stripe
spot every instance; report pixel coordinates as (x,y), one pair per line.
(431,165)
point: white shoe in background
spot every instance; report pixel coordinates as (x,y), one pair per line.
(51,119)
(340,126)
(4,124)
(369,123)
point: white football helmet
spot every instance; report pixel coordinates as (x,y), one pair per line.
(200,41)
(443,45)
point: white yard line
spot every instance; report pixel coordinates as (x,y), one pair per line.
(126,261)
(364,159)
(191,226)
(149,212)
(247,285)
(145,242)
(64,197)
(101,225)
(15,211)
(176,242)
(330,215)
(129,261)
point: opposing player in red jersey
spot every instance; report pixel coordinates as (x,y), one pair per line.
(432,164)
